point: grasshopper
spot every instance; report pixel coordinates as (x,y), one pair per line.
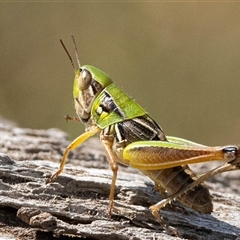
(131,137)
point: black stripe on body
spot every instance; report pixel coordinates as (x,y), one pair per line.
(140,129)
(108,105)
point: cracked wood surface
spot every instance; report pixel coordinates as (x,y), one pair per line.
(76,205)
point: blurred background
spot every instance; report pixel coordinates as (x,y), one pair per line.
(180,61)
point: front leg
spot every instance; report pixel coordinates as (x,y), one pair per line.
(107,141)
(75,143)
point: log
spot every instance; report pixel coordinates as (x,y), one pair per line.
(76,204)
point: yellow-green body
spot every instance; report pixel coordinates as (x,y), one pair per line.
(125,127)
(130,136)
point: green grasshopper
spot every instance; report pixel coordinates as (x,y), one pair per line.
(131,137)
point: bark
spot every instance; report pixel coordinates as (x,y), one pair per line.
(76,204)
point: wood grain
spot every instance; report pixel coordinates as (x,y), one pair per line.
(76,204)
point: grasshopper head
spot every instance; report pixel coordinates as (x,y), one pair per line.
(88,83)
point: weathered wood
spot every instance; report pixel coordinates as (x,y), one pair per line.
(76,204)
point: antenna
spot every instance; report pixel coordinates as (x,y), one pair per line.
(76,51)
(69,56)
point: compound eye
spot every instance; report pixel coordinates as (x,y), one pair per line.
(85,79)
